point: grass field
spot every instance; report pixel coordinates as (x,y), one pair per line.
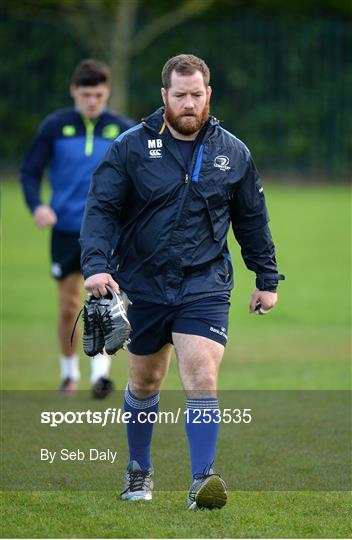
(303,344)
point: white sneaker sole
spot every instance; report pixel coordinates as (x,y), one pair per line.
(137,496)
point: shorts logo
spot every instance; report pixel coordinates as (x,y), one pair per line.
(221,332)
(56,270)
(221,162)
(154,145)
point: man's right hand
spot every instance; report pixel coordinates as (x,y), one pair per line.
(44,216)
(96,284)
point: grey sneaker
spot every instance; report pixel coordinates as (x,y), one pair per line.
(113,320)
(207,491)
(93,337)
(138,483)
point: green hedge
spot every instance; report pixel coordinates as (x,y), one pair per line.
(281,85)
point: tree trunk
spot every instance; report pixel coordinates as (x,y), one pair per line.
(120,47)
(114,38)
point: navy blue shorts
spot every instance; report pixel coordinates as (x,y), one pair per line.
(65,254)
(153,324)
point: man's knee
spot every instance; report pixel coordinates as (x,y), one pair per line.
(146,373)
(198,380)
(146,385)
(68,312)
(69,297)
(69,306)
(199,372)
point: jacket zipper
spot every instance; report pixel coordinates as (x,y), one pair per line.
(89,142)
(186,182)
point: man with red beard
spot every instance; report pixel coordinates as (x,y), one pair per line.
(172,186)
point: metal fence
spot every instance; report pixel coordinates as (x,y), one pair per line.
(283,86)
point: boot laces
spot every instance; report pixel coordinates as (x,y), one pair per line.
(136,480)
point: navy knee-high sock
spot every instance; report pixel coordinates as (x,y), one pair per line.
(139,434)
(202,428)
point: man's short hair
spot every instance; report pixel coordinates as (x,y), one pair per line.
(91,73)
(184,64)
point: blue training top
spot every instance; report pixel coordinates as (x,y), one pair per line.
(73,146)
(170,220)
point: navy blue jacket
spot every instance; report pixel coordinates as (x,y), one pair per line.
(74,147)
(173,222)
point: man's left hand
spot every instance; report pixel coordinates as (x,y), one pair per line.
(266,299)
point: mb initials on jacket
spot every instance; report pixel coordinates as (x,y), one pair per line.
(155,143)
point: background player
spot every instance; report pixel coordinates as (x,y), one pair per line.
(72,141)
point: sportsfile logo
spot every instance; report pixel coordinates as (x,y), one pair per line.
(222,162)
(155,146)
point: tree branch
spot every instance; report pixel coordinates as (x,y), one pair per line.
(189,9)
(90,24)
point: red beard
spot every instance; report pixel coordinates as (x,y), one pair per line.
(186,124)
